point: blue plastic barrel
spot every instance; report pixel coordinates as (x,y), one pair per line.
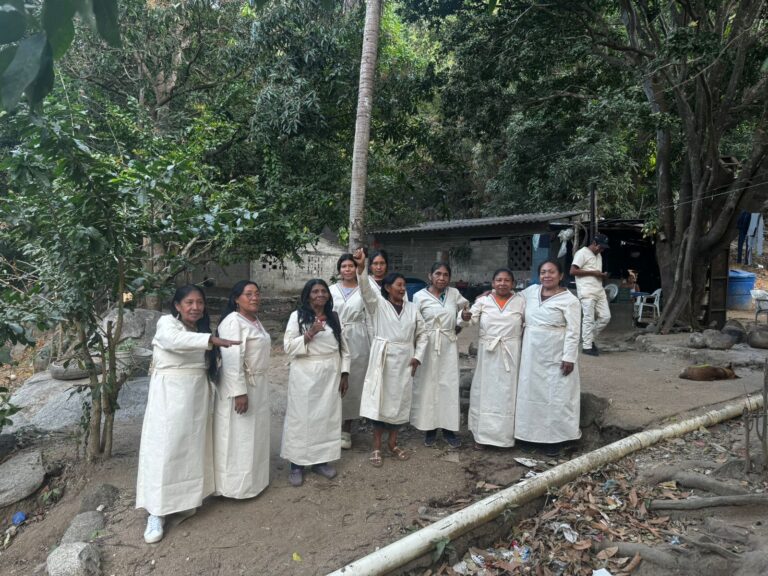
(739,285)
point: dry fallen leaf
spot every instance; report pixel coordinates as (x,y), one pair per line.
(634,564)
(582,545)
(607,553)
(633,498)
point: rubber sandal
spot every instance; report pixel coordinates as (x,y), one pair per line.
(399,453)
(375,459)
(478,447)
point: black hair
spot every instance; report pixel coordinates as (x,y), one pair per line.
(307,314)
(389,279)
(203,325)
(437,265)
(372,257)
(343,258)
(555,263)
(234,294)
(503,269)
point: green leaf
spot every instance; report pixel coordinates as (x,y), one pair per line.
(57,22)
(106,21)
(43,82)
(6,56)
(492,6)
(764,67)
(23,69)
(5,358)
(13,23)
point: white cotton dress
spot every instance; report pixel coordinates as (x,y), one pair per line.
(241,441)
(175,455)
(436,384)
(351,311)
(494,384)
(313,413)
(397,338)
(548,402)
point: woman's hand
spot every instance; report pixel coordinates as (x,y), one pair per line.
(223,342)
(566,368)
(317,326)
(241,403)
(414,363)
(359,259)
(344,383)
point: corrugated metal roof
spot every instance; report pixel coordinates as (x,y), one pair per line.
(475,222)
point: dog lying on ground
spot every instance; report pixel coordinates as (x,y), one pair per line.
(707,373)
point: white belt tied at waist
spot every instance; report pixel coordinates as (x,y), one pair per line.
(379,362)
(547,328)
(179,371)
(450,334)
(491,343)
(315,357)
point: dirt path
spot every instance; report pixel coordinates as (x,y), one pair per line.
(325,524)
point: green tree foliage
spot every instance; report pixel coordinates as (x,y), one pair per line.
(33,35)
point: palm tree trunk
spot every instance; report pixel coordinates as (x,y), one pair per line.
(363,123)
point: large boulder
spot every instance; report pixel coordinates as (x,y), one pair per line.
(716,340)
(758,339)
(49,404)
(139,325)
(735,329)
(696,340)
(84,527)
(75,559)
(20,476)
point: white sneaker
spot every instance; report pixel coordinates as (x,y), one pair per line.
(346,440)
(154,531)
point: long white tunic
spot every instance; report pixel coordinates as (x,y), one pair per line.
(494,384)
(351,311)
(175,455)
(313,414)
(548,402)
(397,338)
(436,384)
(241,441)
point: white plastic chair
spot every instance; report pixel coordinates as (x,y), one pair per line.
(652,301)
(761,302)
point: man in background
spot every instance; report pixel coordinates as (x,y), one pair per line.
(587,268)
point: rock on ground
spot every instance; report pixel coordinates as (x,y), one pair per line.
(76,559)
(139,325)
(735,329)
(50,404)
(20,476)
(102,495)
(84,527)
(758,339)
(717,340)
(592,409)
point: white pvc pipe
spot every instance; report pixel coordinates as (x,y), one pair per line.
(423,541)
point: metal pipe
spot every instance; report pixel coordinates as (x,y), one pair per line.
(423,541)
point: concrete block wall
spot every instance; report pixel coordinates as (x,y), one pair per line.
(414,257)
(288,278)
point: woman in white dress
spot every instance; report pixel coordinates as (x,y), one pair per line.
(241,407)
(436,385)
(317,380)
(177,423)
(494,384)
(348,304)
(548,396)
(397,349)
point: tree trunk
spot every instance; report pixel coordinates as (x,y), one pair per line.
(363,123)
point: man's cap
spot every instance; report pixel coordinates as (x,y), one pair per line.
(602,241)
